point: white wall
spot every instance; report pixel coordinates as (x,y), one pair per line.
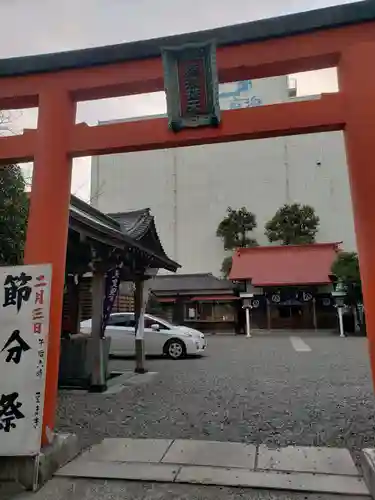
(189,189)
(319,177)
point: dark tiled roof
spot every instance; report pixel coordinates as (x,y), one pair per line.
(190,283)
(135,223)
(294,24)
(107,230)
(140,225)
(78,206)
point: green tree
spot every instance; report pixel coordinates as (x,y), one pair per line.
(226,266)
(346,269)
(13,215)
(235,231)
(293,224)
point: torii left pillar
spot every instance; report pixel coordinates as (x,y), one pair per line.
(47,231)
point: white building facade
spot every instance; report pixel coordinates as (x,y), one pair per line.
(189,189)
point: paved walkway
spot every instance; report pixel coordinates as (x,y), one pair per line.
(303,469)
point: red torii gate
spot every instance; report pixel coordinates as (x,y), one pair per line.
(342,36)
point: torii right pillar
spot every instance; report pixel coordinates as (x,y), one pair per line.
(356,72)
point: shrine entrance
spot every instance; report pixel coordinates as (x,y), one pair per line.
(342,37)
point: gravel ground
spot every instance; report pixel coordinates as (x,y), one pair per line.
(255,390)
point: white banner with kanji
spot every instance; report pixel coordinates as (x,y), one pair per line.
(24,322)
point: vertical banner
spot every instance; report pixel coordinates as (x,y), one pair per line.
(144,295)
(24,322)
(112,286)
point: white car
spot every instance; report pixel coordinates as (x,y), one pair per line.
(161,337)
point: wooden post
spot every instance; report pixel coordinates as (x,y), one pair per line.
(356,73)
(268,315)
(98,376)
(139,303)
(74,303)
(47,230)
(315,319)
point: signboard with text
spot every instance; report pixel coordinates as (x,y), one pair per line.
(237,95)
(24,323)
(191,86)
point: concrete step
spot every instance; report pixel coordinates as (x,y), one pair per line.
(303,469)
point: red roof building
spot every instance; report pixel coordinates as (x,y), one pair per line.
(289,265)
(291,284)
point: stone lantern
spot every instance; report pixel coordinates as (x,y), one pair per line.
(339,295)
(246,304)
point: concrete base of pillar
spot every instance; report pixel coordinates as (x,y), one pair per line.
(140,370)
(368,468)
(98,388)
(33,472)
(140,356)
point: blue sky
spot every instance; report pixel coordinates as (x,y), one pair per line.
(40,26)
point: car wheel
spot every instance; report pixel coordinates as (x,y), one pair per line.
(175,349)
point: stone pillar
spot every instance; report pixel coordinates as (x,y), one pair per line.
(248,322)
(98,376)
(140,306)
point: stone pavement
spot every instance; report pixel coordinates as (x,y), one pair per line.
(301,469)
(61,488)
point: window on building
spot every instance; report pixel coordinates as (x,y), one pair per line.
(209,311)
(290,311)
